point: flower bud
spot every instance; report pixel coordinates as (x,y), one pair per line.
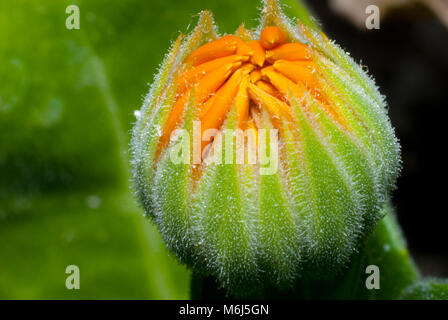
(265,155)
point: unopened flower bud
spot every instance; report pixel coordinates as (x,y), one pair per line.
(263,155)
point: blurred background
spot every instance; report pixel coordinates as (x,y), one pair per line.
(67,102)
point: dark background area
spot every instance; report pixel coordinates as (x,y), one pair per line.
(408,57)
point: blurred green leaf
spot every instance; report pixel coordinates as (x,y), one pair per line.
(427,289)
(119,256)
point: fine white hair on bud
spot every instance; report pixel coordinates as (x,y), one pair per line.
(265,155)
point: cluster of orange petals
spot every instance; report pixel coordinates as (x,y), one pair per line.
(249,75)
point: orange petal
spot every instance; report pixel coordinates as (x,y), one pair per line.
(222,101)
(263,71)
(254,133)
(297,71)
(255,76)
(275,107)
(174,117)
(208,104)
(283,84)
(224,90)
(259,53)
(242,102)
(267,87)
(242,48)
(222,47)
(289,51)
(272,37)
(213,80)
(194,74)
